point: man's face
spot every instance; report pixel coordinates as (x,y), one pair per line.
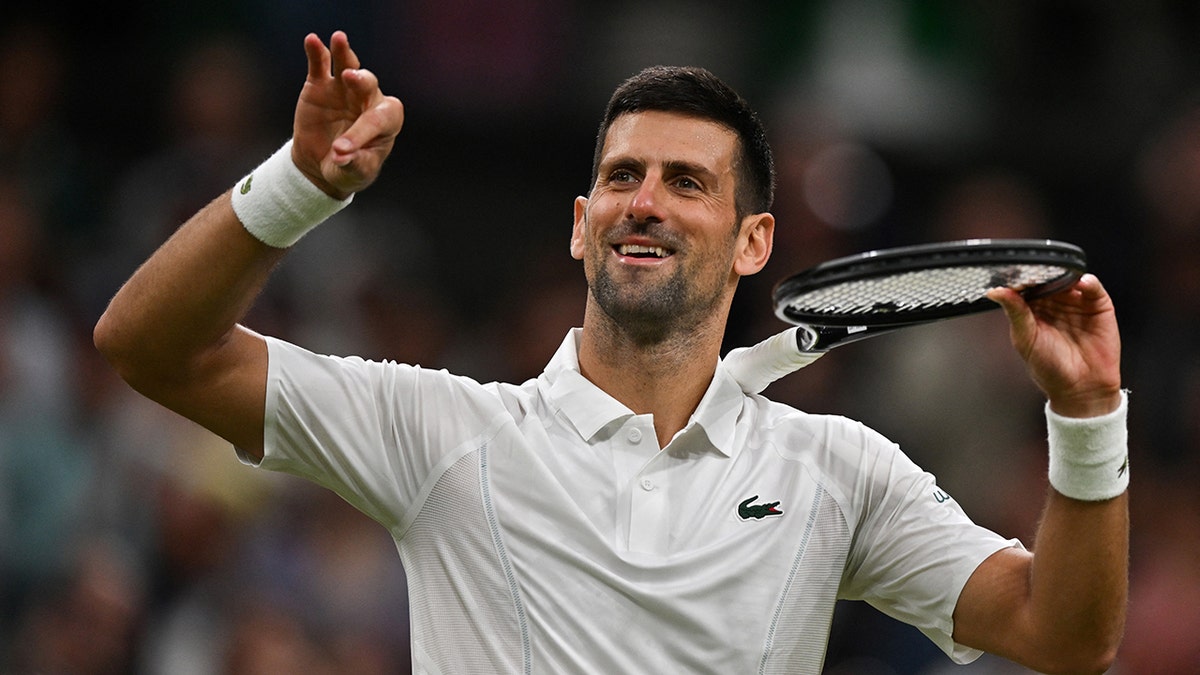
(659,234)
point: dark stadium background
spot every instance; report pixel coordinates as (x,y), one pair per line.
(133,542)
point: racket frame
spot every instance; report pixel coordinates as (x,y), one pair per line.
(821,331)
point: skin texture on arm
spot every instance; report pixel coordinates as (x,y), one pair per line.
(1062,607)
(172,330)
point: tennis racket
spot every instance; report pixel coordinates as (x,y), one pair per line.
(861,296)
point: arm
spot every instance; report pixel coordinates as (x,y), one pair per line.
(172,330)
(1062,607)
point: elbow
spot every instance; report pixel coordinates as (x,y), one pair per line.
(109,340)
(1054,652)
(1099,664)
(1095,658)
(1101,658)
(1107,660)
(119,348)
(1093,650)
(1099,667)
(106,338)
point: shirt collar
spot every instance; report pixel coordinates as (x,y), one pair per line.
(590,409)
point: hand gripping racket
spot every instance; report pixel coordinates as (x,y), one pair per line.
(861,296)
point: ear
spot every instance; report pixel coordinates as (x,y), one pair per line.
(755,242)
(577,232)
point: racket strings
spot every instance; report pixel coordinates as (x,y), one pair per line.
(921,290)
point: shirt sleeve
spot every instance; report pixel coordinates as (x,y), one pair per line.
(914,547)
(374,432)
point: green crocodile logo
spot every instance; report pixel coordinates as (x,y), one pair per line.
(746,510)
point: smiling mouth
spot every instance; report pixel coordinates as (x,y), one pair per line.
(640,251)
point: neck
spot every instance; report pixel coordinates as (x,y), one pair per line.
(665,378)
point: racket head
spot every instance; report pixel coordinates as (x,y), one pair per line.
(927,282)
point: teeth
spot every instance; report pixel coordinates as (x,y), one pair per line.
(634,249)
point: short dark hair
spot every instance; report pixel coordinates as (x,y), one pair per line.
(697,92)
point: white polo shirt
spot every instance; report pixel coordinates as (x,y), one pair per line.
(543,531)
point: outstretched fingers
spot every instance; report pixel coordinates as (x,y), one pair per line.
(344,126)
(319,59)
(327,62)
(343,56)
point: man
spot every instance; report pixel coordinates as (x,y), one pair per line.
(632,509)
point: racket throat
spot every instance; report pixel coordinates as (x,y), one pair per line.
(820,339)
(807,339)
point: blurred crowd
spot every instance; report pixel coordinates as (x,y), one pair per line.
(133,541)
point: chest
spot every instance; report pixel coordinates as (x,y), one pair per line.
(617,494)
(675,554)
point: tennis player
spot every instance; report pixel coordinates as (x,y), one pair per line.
(632,509)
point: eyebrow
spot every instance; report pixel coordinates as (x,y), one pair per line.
(675,166)
(680,166)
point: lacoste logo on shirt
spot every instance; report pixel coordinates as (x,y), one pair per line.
(246,185)
(746,510)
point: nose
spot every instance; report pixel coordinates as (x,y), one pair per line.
(648,201)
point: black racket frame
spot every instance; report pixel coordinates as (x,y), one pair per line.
(822,331)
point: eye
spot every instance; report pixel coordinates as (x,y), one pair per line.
(621,176)
(687,183)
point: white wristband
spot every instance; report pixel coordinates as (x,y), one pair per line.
(278,204)
(756,367)
(1089,458)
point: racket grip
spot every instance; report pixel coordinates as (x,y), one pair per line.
(756,367)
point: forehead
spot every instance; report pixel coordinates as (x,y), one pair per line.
(655,136)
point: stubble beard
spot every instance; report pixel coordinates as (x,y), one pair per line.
(655,311)
(648,313)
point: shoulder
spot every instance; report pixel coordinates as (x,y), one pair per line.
(799,435)
(294,371)
(847,457)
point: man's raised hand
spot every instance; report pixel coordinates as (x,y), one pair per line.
(1071,345)
(344,126)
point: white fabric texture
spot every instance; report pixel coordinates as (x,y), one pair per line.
(544,531)
(1089,457)
(278,204)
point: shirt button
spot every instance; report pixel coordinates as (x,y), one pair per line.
(647,484)
(635,436)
